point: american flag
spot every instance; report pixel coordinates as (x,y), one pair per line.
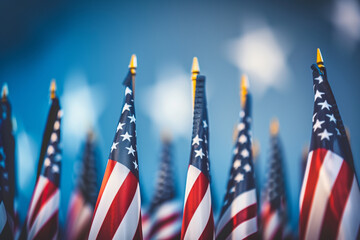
(238,217)
(273,207)
(117,212)
(198,220)
(42,218)
(83,199)
(165,210)
(7,171)
(329,198)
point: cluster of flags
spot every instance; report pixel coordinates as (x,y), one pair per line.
(329,200)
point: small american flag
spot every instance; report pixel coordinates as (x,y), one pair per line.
(238,217)
(83,199)
(165,210)
(198,220)
(273,207)
(42,218)
(329,198)
(117,212)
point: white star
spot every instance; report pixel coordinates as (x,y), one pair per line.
(337,131)
(232,189)
(56,125)
(319,78)
(247,168)
(126,136)
(241,126)
(325,134)
(196,140)
(132,118)
(53,137)
(205,124)
(128,91)
(331,118)
(242,139)
(245,153)
(131,150)
(239,177)
(50,150)
(113,146)
(237,164)
(120,126)
(135,165)
(318,94)
(317,124)
(55,169)
(324,105)
(47,162)
(199,153)
(242,114)
(313,118)
(126,107)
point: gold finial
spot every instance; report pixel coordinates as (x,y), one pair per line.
(90,134)
(4,92)
(347,131)
(52,89)
(244,88)
(319,59)
(166,136)
(255,148)
(133,64)
(195,70)
(274,127)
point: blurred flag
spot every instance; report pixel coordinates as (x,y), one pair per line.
(198,221)
(329,198)
(238,217)
(7,169)
(42,217)
(117,212)
(273,207)
(165,210)
(83,199)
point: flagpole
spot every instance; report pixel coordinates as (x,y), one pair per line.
(195,70)
(4,92)
(274,127)
(132,67)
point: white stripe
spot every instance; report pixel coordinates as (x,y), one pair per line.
(3,216)
(244,229)
(42,182)
(327,176)
(240,202)
(45,213)
(305,179)
(169,231)
(272,225)
(146,224)
(166,209)
(350,221)
(115,181)
(192,175)
(200,218)
(129,223)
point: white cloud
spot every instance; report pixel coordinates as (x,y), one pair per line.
(259,54)
(168,102)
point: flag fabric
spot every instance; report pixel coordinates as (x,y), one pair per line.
(198,221)
(117,213)
(82,202)
(42,219)
(238,217)
(329,198)
(165,209)
(7,171)
(273,207)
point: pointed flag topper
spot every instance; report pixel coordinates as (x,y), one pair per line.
(195,70)
(4,92)
(166,136)
(244,89)
(52,89)
(319,59)
(133,64)
(274,127)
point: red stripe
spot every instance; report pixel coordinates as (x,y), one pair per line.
(266,213)
(164,222)
(138,234)
(313,176)
(118,207)
(49,229)
(195,197)
(337,201)
(253,236)
(109,168)
(208,232)
(236,220)
(46,194)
